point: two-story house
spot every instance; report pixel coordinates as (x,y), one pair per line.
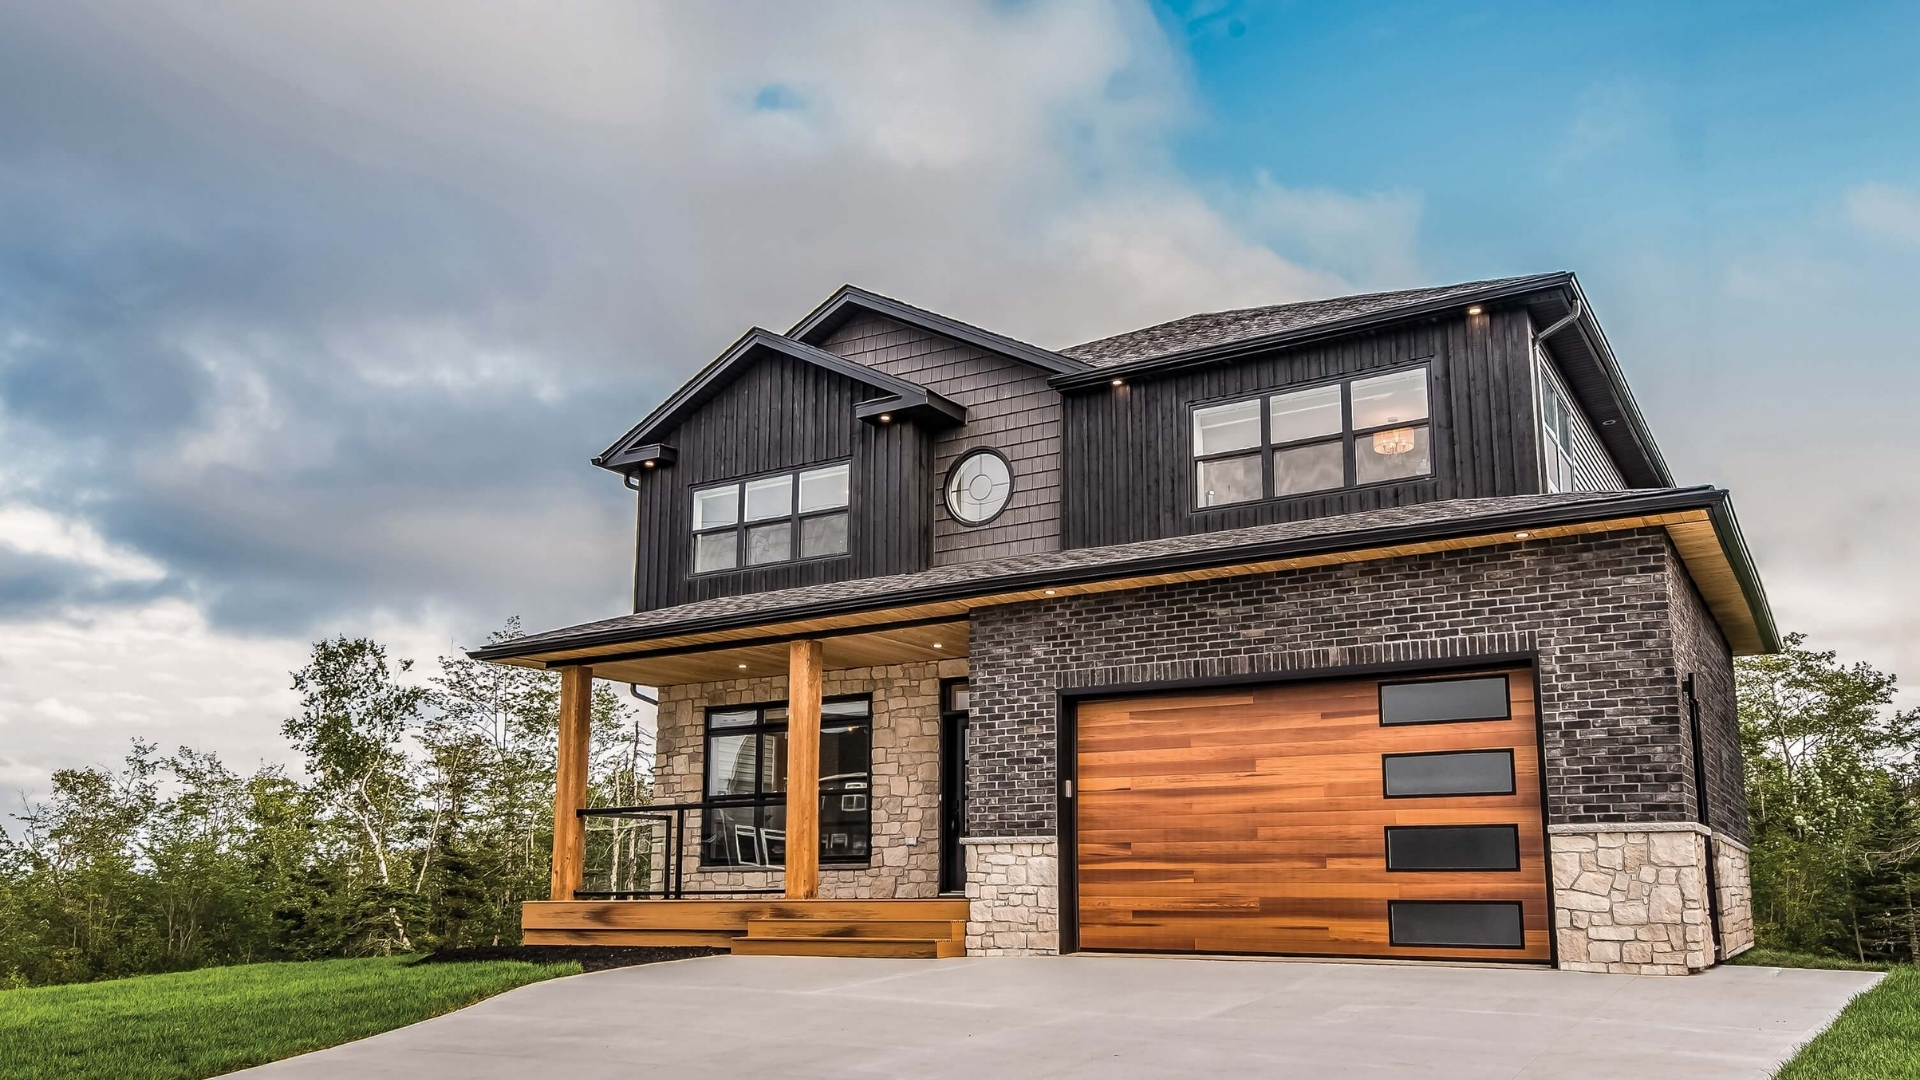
(1366,627)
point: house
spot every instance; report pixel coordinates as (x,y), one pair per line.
(1366,627)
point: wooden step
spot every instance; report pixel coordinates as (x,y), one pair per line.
(905,948)
(716,938)
(929,929)
(723,915)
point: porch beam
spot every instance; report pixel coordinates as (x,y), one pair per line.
(805,659)
(570,781)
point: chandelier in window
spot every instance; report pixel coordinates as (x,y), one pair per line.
(1391,443)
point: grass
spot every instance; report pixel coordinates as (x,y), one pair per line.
(203,1023)
(1877,1036)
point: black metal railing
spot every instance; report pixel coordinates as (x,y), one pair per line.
(640,853)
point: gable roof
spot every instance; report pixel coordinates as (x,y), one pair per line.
(903,398)
(849,300)
(1208,330)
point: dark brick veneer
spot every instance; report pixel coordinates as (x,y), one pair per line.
(1607,614)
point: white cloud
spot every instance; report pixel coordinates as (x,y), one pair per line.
(31,530)
(1607,115)
(1885,212)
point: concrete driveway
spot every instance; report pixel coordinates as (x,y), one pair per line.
(1105,1016)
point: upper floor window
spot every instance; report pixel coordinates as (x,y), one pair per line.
(770,519)
(1361,431)
(1556,420)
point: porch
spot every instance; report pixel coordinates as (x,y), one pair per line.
(700,866)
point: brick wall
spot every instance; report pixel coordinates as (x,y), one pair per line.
(1700,648)
(1599,609)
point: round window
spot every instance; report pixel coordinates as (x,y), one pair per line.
(978,487)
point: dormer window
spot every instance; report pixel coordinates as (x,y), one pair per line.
(1345,434)
(771,519)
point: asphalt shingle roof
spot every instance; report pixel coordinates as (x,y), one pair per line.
(979,578)
(1225,327)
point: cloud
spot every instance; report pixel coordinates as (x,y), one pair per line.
(1885,212)
(312,313)
(1608,116)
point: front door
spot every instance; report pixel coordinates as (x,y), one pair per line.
(953,785)
(1365,817)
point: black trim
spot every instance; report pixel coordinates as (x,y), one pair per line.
(1516,904)
(761,799)
(1512,774)
(794,517)
(1508,826)
(1627,504)
(946,482)
(911,396)
(1540,777)
(837,309)
(1381,701)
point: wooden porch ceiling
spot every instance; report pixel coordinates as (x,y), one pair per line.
(945,640)
(910,632)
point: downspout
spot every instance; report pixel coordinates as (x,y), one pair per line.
(1700,802)
(1565,321)
(627,480)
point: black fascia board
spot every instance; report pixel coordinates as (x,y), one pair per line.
(642,454)
(1589,327)
(1628,504)
(927,409)
(1213,354)
(1734,542)
(832,314)
(692,393)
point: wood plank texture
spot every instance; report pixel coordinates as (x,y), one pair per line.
(805,667)
(768,927)
(570,781)
(1253,821)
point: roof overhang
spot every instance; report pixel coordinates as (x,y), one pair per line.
(901,401)
(928,622)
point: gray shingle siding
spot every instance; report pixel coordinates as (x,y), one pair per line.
(1598,609)
(1010,408)
(1593,467)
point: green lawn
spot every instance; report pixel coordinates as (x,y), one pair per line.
(1877,1036)
(202,1023)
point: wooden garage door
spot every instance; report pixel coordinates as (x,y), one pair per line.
(1383,818)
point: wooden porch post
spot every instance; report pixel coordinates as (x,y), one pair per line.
(570,780)
(804,661)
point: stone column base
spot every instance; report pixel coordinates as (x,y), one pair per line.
(1631,898)
(1734,885)
(1013,883)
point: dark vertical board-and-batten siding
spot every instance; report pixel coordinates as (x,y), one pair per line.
(1129,460)
(781,414)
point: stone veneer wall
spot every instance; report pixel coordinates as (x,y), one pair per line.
(905,857)
(1014,884)
(1734,883)
(1631,900)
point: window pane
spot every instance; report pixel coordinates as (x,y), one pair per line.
(773,762)
(1461,923)
(730,772)
(1235,426)
(1228,480)
(979,488)
(823,489)
(770,543)
(1305,414)
(1316,467)
(859,708)
(716,506)
(733,836)
(732,718)
(1470,772)
(843,758)
(1393,454)
(1390,399)
(1453,847)
(957,697)
(823,535)
(1482,698)
(716,551)
(770,497)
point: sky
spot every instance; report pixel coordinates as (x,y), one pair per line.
(311,314)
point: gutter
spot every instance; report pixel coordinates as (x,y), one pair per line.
(1656,501)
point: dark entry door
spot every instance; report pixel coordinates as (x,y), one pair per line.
(953,785)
